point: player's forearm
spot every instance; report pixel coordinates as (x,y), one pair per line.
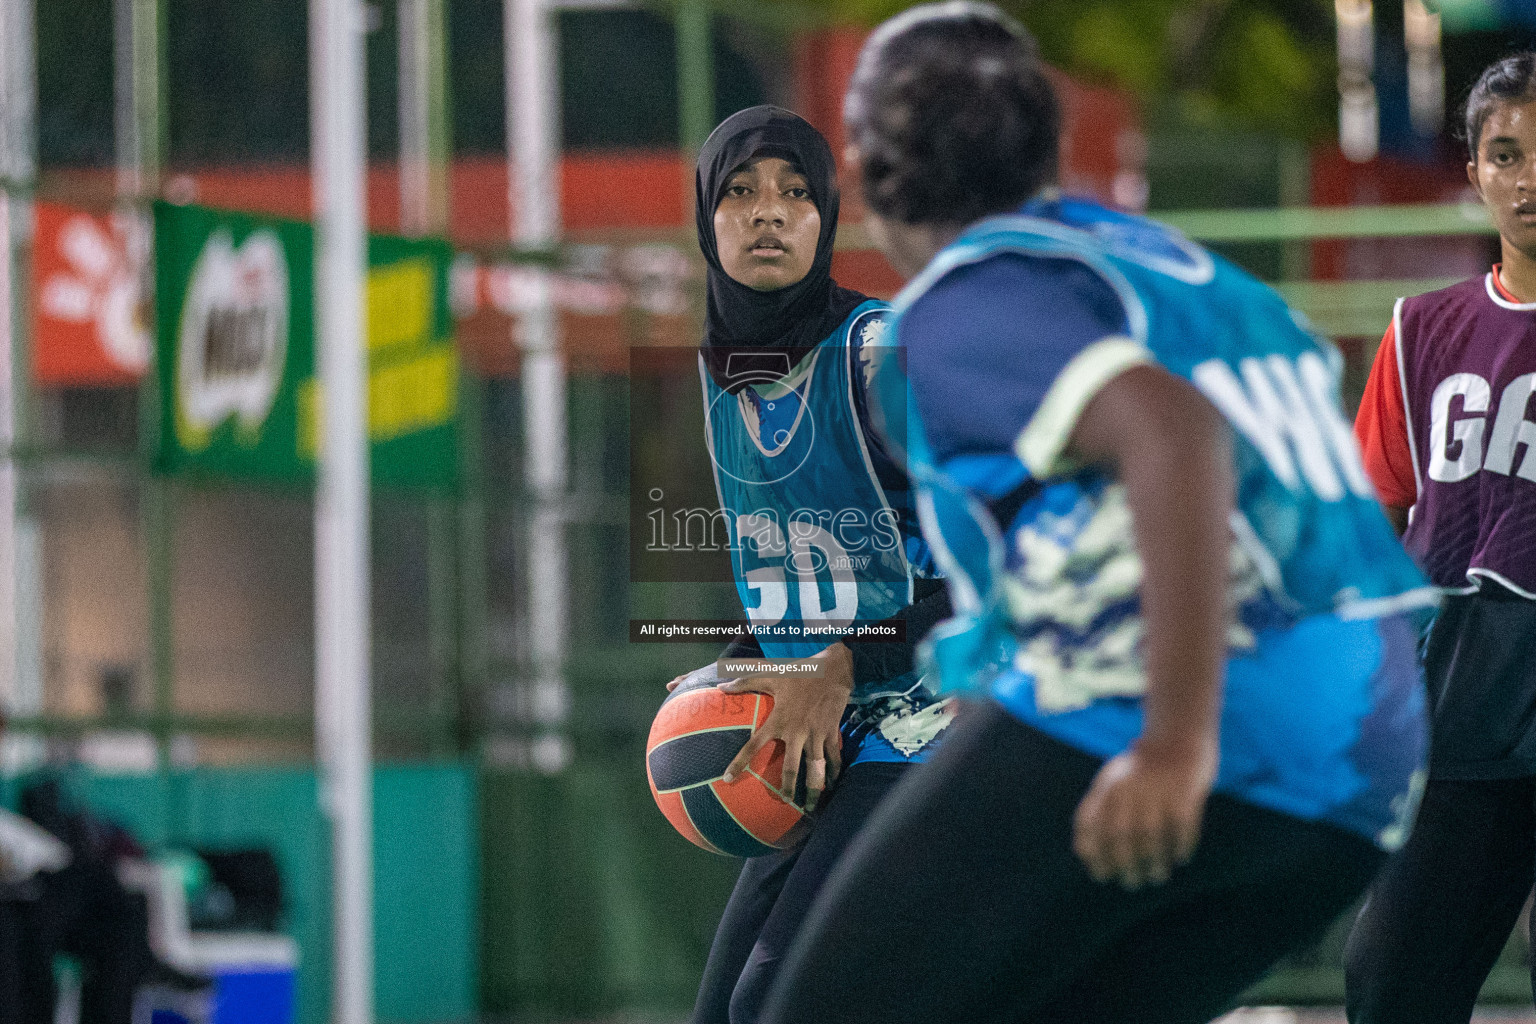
(1171,451)
(1180,489)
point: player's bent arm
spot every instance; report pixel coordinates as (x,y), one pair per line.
(1398,517)
(889,659)
(1171,450)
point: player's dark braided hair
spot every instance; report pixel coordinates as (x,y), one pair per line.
(952,114)
(1512,79)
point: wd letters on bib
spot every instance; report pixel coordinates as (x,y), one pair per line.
(1044,571)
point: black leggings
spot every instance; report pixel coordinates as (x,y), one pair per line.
(1442,910)
(962,901)
(773,894)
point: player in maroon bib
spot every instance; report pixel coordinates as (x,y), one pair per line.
(1448,431)
(1468,369)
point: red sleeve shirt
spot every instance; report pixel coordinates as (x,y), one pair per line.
(1381,427)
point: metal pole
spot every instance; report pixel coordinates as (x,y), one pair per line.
(138,99)
(9,662)
(695,74)
(423,118)
(20,542)
(533,145)
(424,149)
(342,633)
(18,93)
(533,115)
(137,96)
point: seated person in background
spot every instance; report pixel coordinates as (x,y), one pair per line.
(84,911)
(26,851)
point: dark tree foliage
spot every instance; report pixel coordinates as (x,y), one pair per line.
(1260,64)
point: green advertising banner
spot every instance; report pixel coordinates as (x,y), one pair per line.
(239,396)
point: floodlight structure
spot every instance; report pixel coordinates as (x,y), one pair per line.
(1359,115)
(1426,68)
(343,707)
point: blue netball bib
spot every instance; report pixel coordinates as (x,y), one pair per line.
(1040,554)
(1308,517)
(818,543)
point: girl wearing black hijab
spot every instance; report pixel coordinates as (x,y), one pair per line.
(823,529)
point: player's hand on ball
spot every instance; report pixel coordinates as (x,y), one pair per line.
(806,716)
(1141,817)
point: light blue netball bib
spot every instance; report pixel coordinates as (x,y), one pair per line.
(1323,713)
(1308,517)
(815,539)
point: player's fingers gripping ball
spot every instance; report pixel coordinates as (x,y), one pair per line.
(697,733)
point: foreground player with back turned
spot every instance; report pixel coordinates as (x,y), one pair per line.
(1149,508)
(1445,416)
(821,519)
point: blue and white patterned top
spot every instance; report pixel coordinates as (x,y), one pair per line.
(1008,334)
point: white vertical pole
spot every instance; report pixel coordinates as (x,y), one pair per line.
(137,102)
(18,92)
(533,184)
(342,706)
(9,634)
(20,578)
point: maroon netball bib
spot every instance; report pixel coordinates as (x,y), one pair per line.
(1467,362)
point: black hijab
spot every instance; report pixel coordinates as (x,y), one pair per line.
(790,320)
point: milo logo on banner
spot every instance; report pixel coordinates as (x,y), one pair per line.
(233,337)
(240,397)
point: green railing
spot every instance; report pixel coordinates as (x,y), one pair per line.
(1313,223)
(1340,309)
